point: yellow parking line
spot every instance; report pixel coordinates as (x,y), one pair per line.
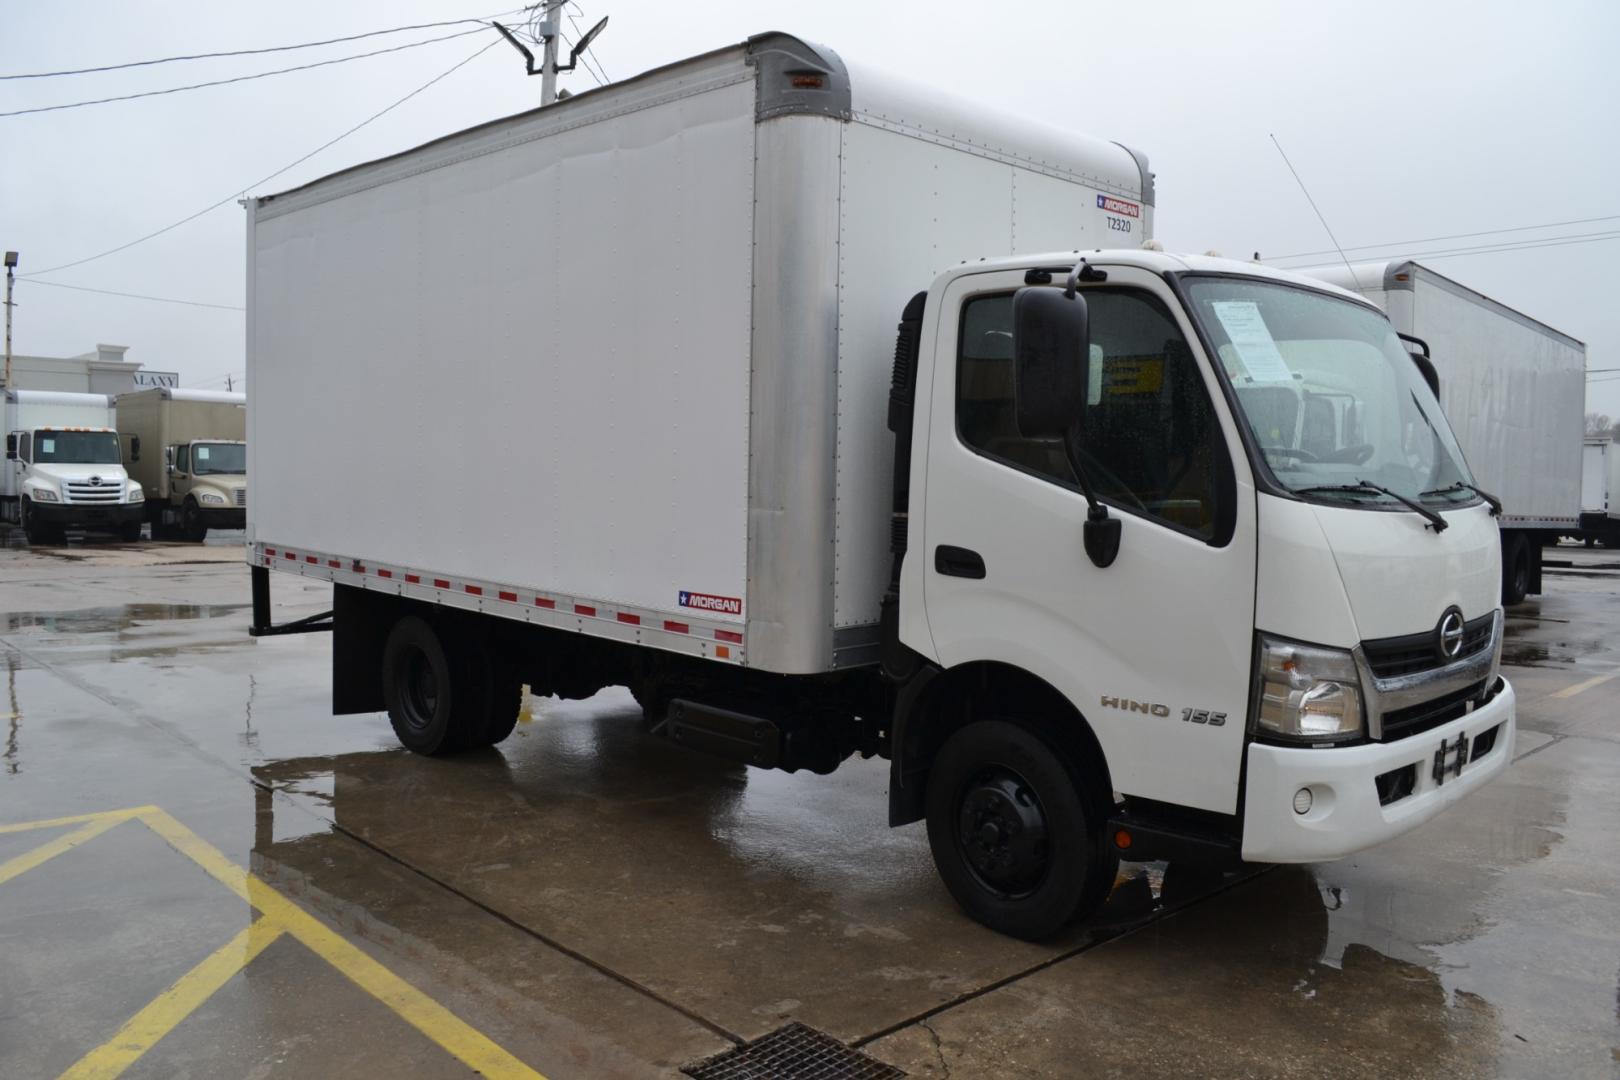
(414,1007)
(164,1013)
(66,842)
(115,815)
(1596,680)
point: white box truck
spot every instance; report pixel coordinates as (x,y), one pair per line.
(63,468)
(611,393)
(1514,390)
(1600,493)
(188,451)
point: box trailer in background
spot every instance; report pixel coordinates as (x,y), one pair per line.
(1514,390)
(62,467)
(188,451)
(1600,492)
(719,383)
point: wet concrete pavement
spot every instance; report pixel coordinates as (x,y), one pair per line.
(594,902)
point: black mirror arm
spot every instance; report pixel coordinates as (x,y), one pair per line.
(1101,532)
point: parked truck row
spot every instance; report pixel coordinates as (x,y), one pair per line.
(860,421)
(176,459)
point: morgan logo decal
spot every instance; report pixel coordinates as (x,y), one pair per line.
(1118,206)
(725,605)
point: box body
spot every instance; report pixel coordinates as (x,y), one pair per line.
(162,417)
(631,353)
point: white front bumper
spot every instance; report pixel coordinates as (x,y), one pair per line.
(1345,814)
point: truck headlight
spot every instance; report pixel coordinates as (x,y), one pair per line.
(1307,693)
(44,495)
(210,499)
(136,495)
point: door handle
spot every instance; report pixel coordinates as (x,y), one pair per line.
(958,562)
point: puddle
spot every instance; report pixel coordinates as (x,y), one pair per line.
(102,620)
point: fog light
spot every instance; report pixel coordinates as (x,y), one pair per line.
(1302,801)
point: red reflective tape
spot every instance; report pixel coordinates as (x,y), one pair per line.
(541,601)
(626,617)
(311,559)
(728,635)
(584,609)
(474,590)
(289,555)
(440,583)
(676,627)
(413,579)
(334,564)
(384,573)
(269,551)
(508,595)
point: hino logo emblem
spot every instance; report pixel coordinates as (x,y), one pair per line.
(1448,636)
(95,481)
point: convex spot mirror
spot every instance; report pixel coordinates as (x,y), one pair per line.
(1051,360)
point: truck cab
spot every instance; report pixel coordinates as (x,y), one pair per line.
(63,469)
(207,485)
(1204,527)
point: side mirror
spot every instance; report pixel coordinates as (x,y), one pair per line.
(1051,360)
(11,448)
(134,448)
(168,458)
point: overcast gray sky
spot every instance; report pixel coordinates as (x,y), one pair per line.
(1407,120)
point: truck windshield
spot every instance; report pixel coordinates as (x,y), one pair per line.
(1333,400)
(209,458)
(76,447)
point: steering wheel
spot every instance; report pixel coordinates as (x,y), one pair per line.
(1350,455)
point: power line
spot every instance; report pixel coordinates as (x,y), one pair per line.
(1453,236)
(258,52)
(241,78)
(136,296)
(1325,226)
(265,180)
(1487,249)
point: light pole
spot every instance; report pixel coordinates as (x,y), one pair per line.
(11,266)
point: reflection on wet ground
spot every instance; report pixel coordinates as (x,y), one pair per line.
(614,905)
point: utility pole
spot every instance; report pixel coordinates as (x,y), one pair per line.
(550,33)
(11,266)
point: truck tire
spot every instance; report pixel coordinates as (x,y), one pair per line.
(37,532)
(432,700)
(1515,571)
(192,528)
(1016,837)
(499,695)
(130,532)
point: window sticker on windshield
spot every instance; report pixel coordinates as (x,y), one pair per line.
(1255,347)
(47,446)
(202,453)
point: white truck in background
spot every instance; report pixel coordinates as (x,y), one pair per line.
(188,450)
(1600,493)
(1043,547)
(1514,390)
(63,467)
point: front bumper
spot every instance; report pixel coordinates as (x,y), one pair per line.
(88,514)
(1346,815)
(224,517)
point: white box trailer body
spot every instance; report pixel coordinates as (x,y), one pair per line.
(1513,388)
(690,279)
(1600,492)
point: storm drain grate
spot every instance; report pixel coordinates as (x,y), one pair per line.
(795,1052)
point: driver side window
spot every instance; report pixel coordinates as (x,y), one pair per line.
(182,459)
(1150,440)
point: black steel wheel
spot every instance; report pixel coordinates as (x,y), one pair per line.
(421,689)
(1017,831)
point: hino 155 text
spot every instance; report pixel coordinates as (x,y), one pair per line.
(618,398)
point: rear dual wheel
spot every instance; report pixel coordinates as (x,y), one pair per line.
(1017,832)
(445,694)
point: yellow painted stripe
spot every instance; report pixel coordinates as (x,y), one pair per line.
(1596,680)
(66,842)
(417,1009)
(47,823)
(163,1015)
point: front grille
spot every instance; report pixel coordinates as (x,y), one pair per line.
(241,496)
(79,492)
(1399,723)
(1414,653)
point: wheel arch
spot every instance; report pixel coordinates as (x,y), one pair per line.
(937,701)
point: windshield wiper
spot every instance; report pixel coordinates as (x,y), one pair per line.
(1463,485)
(1435,521)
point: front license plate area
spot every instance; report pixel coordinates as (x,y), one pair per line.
(1450,759)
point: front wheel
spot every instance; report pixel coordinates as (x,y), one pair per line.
(129,532)
(1015,836)
(38,532)
(192,528)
